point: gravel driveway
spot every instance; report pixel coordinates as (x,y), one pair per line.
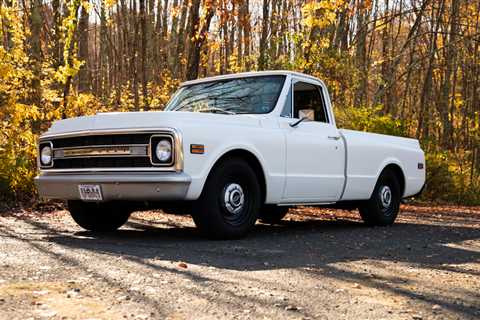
(318,264)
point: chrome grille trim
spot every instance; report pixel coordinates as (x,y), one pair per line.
(131,147)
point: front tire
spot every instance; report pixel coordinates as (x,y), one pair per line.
(99,217)
(383,206)
(229,204)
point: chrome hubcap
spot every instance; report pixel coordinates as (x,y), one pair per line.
(386,196)
(234,198)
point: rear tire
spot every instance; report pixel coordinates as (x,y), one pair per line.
(272,214)
(99,217)
(229,204)
(383,206)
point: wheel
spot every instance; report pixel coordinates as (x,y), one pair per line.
(229,204)
(272,214)
(383,206)
(99,216)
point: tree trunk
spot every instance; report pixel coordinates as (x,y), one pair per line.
(239,34)
(423,118)
(57,46)
(450,58)
(246,34)
(172,60)
(143,53)
(36,23)
(70,50)
(361,55)
(197,36)
(181,39)
(262,60)
(83,78)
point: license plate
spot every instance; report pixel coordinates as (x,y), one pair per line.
(90,192)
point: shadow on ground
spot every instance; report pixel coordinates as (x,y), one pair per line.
(312,246)
(292,244)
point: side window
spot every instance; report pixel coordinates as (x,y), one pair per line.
(287,108)
(308,99)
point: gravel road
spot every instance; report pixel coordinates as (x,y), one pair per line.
(318,264)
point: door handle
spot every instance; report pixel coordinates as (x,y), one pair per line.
(334,137)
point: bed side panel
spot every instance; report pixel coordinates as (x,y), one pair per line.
(369,154)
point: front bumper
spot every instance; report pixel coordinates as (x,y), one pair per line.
(137,186)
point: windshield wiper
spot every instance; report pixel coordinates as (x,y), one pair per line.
(216,110)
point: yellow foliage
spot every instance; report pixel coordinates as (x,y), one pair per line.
(320,13)
(17,140)
(21,121)
(110,3)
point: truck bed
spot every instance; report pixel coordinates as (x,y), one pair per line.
(368,153)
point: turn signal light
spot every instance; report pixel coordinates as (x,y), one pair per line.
(197,148)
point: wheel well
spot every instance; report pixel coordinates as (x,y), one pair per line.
(252,161)
(398,173)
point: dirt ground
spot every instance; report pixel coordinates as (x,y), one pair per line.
(318,264)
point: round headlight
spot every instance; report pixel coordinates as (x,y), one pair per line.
(46,155)
(163,150)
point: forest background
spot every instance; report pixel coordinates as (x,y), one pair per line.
(402,67)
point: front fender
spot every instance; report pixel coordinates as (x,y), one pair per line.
(266,145)
(198,181)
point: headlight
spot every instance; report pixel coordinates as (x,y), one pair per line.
(46,155)
(163,150)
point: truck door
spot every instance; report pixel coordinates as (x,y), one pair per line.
(315,153)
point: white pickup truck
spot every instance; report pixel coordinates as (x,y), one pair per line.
(229,150)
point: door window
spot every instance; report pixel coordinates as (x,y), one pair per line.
(308,101)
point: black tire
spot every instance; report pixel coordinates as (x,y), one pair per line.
(272,214)
(220,212)
(382,209)
(99,217)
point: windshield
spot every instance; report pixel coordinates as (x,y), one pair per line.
(243,95)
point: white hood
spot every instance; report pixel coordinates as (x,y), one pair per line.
(152,119)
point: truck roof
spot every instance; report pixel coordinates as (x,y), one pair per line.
(249,74)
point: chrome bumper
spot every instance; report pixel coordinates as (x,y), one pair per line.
(116,186)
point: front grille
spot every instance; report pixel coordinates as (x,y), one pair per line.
(107,162)
(104,151)
(101,140)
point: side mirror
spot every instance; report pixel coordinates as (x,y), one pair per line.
(304,114)
(296,123)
